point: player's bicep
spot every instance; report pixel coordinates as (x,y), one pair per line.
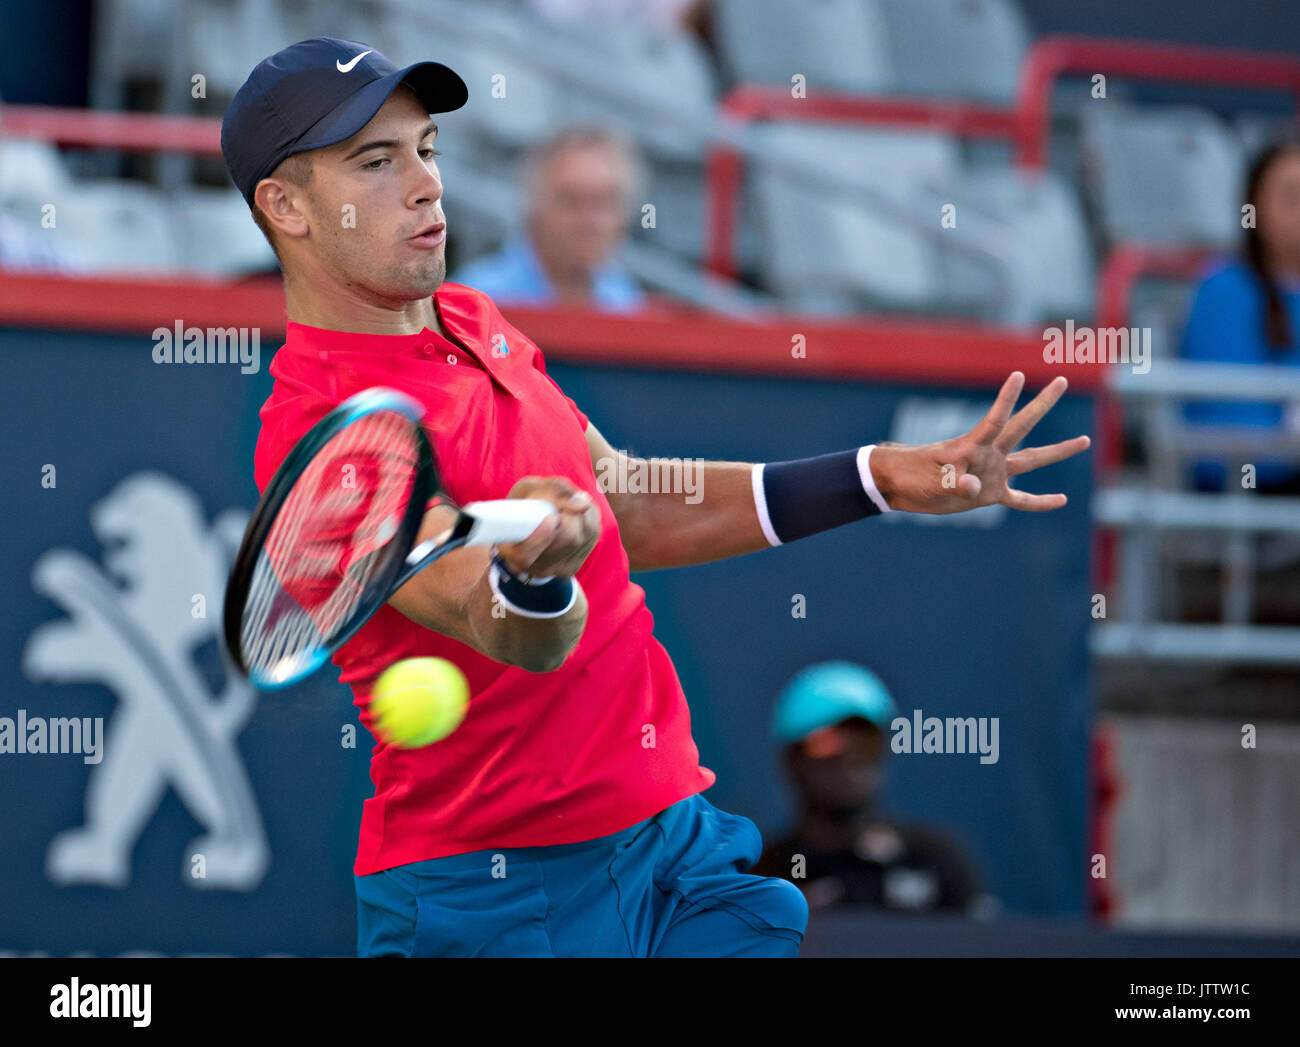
(606,461)
(603,456)
(438,597)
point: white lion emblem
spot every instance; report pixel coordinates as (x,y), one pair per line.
(130,626)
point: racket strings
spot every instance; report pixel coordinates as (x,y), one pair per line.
(329,541)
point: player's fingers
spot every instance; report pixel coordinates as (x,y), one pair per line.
(520,556)
(569,546)
(991,424)
(555,489)
(579,503)
(1037,457)
(1028,416)
(1033,503)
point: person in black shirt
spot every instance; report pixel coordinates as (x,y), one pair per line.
(833,720)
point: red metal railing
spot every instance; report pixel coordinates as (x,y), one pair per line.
(750,102)
(1054,57)
(1125,267)
(132,132)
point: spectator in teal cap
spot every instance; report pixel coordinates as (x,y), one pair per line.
(833,721)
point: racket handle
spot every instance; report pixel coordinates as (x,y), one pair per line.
(505,520)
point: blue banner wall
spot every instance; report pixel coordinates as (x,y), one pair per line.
(223,821)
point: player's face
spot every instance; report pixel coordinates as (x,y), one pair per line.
(376,196)
(840,768)
(1278,206)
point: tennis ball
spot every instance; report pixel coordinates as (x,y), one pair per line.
(419,701)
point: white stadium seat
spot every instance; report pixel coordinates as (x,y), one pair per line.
(31,171)
(957,48)
(840,45)
(510,101)
(116,227)
(1040,220)
(822,249)
(669,70)
(1164,176)
(214,234)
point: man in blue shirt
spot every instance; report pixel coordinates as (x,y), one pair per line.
(581,186)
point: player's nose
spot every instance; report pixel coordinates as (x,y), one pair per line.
(427,187)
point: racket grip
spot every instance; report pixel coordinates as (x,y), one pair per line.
(505,520)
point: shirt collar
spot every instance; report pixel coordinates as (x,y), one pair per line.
(325,338)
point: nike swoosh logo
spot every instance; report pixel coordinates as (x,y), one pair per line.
(348,68)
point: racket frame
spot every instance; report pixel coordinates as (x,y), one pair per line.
(370,401)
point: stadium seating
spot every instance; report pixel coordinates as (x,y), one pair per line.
(118,227)
(30,171)
(823,253)
(1039,217)
(837,44)
(215,234)
(670,70)
(1158,175)
(973,49)
(1168,176)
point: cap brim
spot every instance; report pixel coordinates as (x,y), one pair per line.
(439,89)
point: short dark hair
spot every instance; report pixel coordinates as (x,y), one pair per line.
(298,169)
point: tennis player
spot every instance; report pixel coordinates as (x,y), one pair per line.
(565,816)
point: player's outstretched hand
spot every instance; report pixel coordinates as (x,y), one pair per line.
(561,542)
(975,469)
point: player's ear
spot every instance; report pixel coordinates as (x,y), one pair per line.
(280,206)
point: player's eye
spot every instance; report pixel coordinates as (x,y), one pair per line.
(374,165)
(431,151)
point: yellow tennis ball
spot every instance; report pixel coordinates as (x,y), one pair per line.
(419,701)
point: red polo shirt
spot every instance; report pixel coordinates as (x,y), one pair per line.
(541,758)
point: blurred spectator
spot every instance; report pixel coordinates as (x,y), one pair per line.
(1247,311)
(833,719)
(580,187)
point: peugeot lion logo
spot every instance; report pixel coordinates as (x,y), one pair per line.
(134,625)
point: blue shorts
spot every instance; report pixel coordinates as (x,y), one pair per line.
(672,885)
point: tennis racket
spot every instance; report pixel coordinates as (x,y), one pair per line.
(333,536)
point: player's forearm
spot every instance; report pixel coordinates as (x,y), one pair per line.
(711,517)
(454,596)
(738,508)
(539,645)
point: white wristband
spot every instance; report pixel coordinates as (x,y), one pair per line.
(869,481)
(760,504)
(496,573)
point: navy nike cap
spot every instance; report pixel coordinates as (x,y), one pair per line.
(315,93)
